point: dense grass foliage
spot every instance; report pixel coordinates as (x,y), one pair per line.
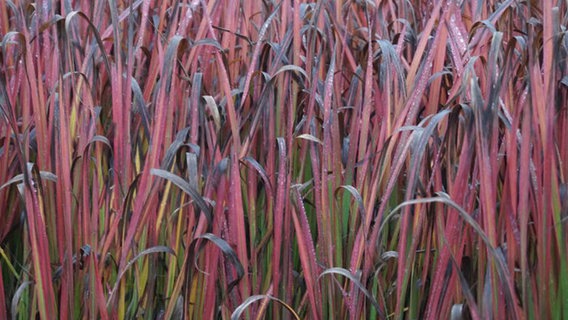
(221,159)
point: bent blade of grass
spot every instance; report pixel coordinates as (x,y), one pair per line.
(19,178)
(252,299)
(159,134)
(502,269)
(16,298)
(346,273)
(486,133)
(309,137)
(290,67)
(419,140)
(357,196)
(394,174)
(187,188)
(68,19)
(211,106)
(155,249)
(145,203)
(227,251)
(263,174)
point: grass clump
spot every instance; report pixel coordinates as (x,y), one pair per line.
(283,159)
